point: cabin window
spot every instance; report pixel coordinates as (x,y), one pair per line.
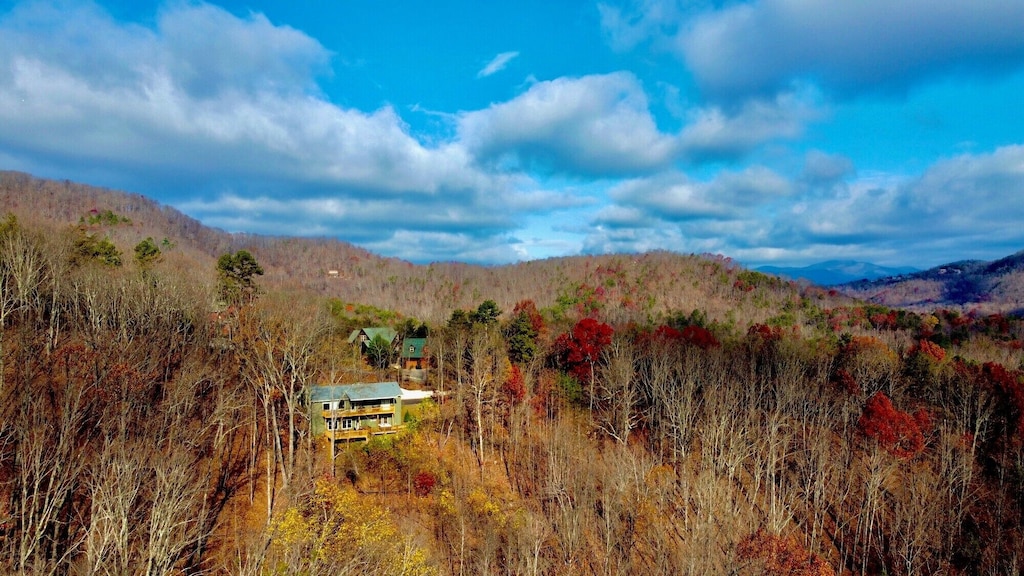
(327,405)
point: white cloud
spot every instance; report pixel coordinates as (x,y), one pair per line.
(762,46)
(497,64)
(675,197)
(712,133)
(443,245)
(208,51)
(601,125)
(598,125)
(758,47)
(965,206)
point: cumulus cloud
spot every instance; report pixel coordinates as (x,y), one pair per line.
(205,103)
(960,207)
(441,246)
(675,197)
(362,219)
(594,125)
(224,116)
(478,230)
(497,64)
(713,134)
(240,100)
(758,47)
(601,125)
(956,198)
(849,46)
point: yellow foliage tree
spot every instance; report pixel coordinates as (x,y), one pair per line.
(336,531)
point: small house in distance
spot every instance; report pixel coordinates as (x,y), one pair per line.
(366,335)
(413,355)
(359,411)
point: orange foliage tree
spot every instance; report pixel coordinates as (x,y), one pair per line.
(928,348)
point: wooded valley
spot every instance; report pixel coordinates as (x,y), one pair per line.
(640,414)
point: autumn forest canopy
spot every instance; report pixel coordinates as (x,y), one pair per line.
(633,414)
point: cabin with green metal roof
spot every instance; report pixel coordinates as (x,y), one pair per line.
(414,360)
(413,353)
(366,335)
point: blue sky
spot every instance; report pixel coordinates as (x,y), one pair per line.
(773,131)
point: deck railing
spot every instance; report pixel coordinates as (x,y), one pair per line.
(361,411)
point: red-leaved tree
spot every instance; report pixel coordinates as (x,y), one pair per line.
(1008,383)
(693,335)
(700,337)
(899,433)
(580,349)
(424,483)
(513,389)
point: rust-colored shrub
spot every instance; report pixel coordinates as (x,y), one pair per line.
(847,382)
(781,556)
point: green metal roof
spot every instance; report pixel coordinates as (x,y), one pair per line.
(355,392)
(384,332)
(413,347)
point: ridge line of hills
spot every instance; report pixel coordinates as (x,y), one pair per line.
(335,268)
(628,285)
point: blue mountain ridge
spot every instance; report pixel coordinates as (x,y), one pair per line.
(833,272)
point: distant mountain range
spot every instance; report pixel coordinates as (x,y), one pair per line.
(835,272)
(995,286)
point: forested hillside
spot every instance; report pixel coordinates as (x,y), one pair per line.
(648,414)
(637,285)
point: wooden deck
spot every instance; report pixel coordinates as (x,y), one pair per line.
(361,434)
